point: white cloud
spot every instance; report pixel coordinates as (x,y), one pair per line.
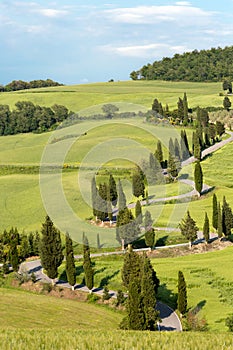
(145,51)
(183,13)
(52,13)
(183,3)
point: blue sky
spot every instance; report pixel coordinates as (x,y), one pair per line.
(76,42)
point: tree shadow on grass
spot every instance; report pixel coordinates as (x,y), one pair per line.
(167,296)
(161,241)
(78,270)
(198,307)
(105,280)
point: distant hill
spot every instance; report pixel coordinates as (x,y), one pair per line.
(197,66)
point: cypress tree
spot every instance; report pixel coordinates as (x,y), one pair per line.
(159,152)
(36,243)
(121,197)
(185,109)
(14,257)
(87,267)
(188,228)
(94,194)
(70,265)
(138,212)
(184,145)
(180,107)
(177,149)
(182,294)
(227,218)
(112,190)
(101,202)
(148,295)
(171,147)
(148,221)
(30,243)
(206,228)
(150,237)
(136,316)
(155,105)
(219,221)
(131,265)
(138,186)
(172,166)
(215,212)
(198,177)
(24,247)
(50,248)
(196,147)
(127,229)
(98,241)
(109,205)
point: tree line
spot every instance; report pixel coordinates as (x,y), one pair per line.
(27,117)
(16,85)
(204,65)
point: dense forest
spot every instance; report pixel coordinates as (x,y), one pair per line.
(205,65)
(23,85)
(27,117)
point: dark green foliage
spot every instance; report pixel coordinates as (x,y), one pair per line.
(109,110)
(112,190)
(156,105)
(184,146)
(215,212)
(120,298)
(33,277)
(24,249)
(150,237)
(227,103)
(229,323)
(131,265)
(171,147)
(136,316)
(227,218)
(87,266)
(14,257)
(182,294)
(70,265)
(94,194)
(190,66)
(198,177)
(109,205)
(177,149)
(101,202)
(138,186)
(152,170)
(173,166)
(127,229)
(196,147)
(148,221)
(219,221)
(50,248)
(106,295)
(16,85)
(98,241)
(220,129)
(121,197)
(188,228)
(36,243)
(159,152)
(148,295)
(138,212)
(206,228)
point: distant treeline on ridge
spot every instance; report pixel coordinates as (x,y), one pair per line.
(23,85)
(215,64)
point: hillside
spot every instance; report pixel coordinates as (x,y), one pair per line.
(205,65)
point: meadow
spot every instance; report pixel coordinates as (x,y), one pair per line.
(79,97)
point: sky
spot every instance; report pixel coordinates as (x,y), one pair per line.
(77,42)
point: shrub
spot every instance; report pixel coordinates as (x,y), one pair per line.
(33,277)
(92,298)
(47,287)
(193,323)
(229,323)
(106,295)
(120,298)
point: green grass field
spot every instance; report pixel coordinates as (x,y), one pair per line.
(78,97)
(106,340)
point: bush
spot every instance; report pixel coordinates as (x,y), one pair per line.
(22,277)
(193,323)
(106,295)
(120,298)
(47,287)
(92,298)
(33,277)
(229,323)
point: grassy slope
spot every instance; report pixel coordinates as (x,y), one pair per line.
(78,97)
(32,311)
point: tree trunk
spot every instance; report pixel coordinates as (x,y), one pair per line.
(122,244)
(72,287)
(190,245)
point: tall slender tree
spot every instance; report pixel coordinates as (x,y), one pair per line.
(87,266)
(188,228)
(198,177)
(182,294)
(215,212)
(138,187)
(138,212)
(159,152)
(121,197)
(113,190)
(219,221)
(94,194)
(206,228)
(50,248)
(227,218)
(70,265)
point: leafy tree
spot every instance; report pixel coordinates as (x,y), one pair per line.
(121,197)
(225,85)
(227,103)
(182,294)
(14,257)
(188,228)
(150,237)
(110,110)
(215,212)
(138,212)
(206,228)
(156,105)
(198,177)
(87,266)
(220,129)
(50,248)
(113,190)
(70,265)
